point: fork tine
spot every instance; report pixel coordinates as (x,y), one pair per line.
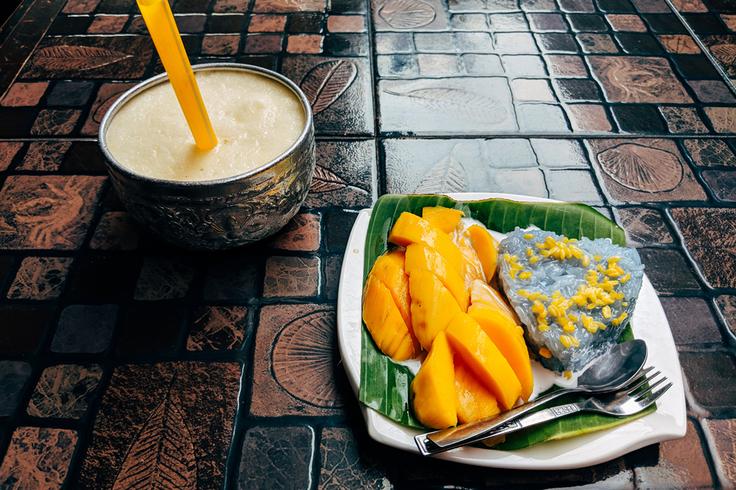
(641,382)
(654,396)
(649,389)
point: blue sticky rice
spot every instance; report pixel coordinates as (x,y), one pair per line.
(567,276)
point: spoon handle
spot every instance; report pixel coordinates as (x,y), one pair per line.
(442,440)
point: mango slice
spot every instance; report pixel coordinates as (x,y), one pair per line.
(389,269)
(505,334)
(410,228)
(473,269)
(484,359)
(433,387)
(482,293)
(445,219)
(432,306)
(421,257)
(385,323)
(474,401)
(487,249)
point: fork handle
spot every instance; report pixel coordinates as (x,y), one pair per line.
(427,447)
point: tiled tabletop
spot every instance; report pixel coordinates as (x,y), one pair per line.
(124,360)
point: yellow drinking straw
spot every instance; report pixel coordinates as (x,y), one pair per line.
(160,22)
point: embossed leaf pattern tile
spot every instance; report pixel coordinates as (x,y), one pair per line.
(38,458)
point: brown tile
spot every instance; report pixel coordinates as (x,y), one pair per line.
(230,6)
(722,438)
(679,44)
(40,278)
(344,174)
(712,91)
(286,6)
(562,65)
(50,212)
(38,458)
(641,170)
(164,278)
(707,234)
(90,57)
(723,119)
(106,95)
(344,465)
(730,21)
(626,22)
(80,6)
(722,183)
(722,47)
(44,156)
(644,226)
(107,24)
(690,6)
(263,43)
(710,152)
(295,366)
(24,94)
(681,464)
(301,234)
(710,378)
(267,23)
(682,120)
(162,405)
(691,321)
(668,270)
(291,277)
(217,328)
(64,391)
(115,231)
(637,79)
(55,122)
(588,117)
(346,23)
(8,150)
(727,307)
(191,24)
(596,43)
(220,44)
(305,43)
(427,15)
(289,449)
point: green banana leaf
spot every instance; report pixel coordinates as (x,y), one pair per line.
(385,385)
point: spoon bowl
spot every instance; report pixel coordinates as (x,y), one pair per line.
(614,369)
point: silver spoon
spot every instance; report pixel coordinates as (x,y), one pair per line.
(610,372)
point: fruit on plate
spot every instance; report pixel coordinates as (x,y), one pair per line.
(385,323)
(432,306)
(473,269)
(482,293)
(509,338)
(421,257)
(389,269)
(410,228)
(433,388)
(474,401)
(484,359)
(486,248)
(445,219)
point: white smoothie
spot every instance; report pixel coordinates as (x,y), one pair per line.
(255,118)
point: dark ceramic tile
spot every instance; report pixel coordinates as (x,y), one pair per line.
(164,278)
(577,90)
(537,5)
(615,6)
(644,226)
(94,57)
(16,121)
(301,234)
(226,23)
(44,156)
(337,226)
(691,321)
(40,278)
(694,67)
(348,6)
(191,5)
(189,24)
(291,277)
(148,405)
(331,277)
(107,24)
(709,91)
(38,458)
(264,43)
(24,94)
(289,449)
(664,24)
(576,5)
(429,15)
(468,104)
(710,376)
(638,119)
(626,23)
(557,43)
(115,231)
(721,432)
(69,24)
(587,23)
(217,328)
(84,329)
(8,151)
(114,6)
(346,45)
(64,391)
(51,212)
(641,44)
(295,362)
(233,279)
(306,22)
(710,152)
(546,23)
(70,93)
(106,95)
(638,79)
(103,278)
(668,270)
(346,108)
(149,329)
(642,170)
(722,183)
(344,465)
(596,43)
(229,6)
(13,378)
(23,328)
(55,122)
(220,44)
(704,23)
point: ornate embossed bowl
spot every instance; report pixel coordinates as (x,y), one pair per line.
(222,213)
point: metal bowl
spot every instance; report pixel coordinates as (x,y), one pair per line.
(222,213)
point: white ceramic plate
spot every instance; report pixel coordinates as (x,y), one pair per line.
(649,323)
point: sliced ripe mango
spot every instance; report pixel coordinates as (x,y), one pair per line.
(482,293)
(505,334)
(474,401)
(487,249)
(389,268)
(385,324)
(473,269)
(432,306)
(433,387)
(410,228)
(445,219)
(421,257)
(481,355)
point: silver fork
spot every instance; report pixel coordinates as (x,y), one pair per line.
(635,398)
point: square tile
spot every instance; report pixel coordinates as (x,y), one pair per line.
(38,457)
(84,329)
(218,328)
(164,278)
(524,66)
(559,153)
(148,329)
(515,43)
(40,278)
(638,79)
(24,94)
(638,118)
(626,23)
(644,226)
(64,391)
(577,90)
(44,156)
(588,117)
(428,15)
(288,448)
(13,378)
(573,185)
(532,90)
(291,277)
(543,118)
